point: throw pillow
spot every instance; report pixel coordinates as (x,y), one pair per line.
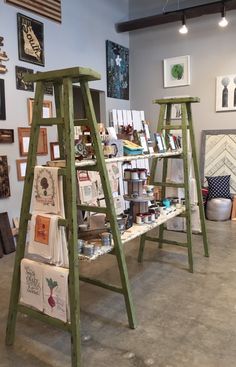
(218,187)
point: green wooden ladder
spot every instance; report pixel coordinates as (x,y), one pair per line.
(63,81)
(164,124)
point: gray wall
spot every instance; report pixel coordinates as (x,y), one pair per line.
(79,40)
(212,54)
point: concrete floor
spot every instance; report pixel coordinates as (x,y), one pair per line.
(184,320)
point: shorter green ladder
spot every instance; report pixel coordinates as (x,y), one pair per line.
(164,124)
(63,81)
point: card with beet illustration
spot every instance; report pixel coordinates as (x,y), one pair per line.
(55,292)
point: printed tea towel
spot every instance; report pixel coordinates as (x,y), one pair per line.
(47,191)
(31,292)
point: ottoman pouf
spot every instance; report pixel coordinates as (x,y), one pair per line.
(218,209)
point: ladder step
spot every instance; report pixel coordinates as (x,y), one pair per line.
(61,222)
(51,121)
(169,184)
(101,284)
(171,127)
(81,122)
(168,242)
(42,317)
(95,209)
(88,167)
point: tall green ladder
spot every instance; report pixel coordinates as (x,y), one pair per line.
(63,81)
(165,125)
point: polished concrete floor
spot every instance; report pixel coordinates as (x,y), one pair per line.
(184,320)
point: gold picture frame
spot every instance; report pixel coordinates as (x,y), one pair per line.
(24,138)
(21,169)
(47,109)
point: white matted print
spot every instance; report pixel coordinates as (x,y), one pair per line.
(226,93)
(177,71)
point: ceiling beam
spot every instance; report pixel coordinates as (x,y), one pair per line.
(174,16)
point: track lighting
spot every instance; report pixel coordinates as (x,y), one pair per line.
(223,22)
(183,29)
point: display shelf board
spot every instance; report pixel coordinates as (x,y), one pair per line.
(139,199)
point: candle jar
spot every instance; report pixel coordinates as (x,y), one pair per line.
(134,174)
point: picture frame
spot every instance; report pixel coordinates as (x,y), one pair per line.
(2,100)
(24,139)
(21,84)
(5,191)
(7,240)
(176,71)
(30,40)
(226,93)
(6,136)
(161,146)
(215,158)
(21,169)
(54,151)
(47,109)
(171,142)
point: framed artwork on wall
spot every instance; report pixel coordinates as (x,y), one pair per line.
(2,100)
(21,169)
(7,240)
(24,139)
(47,109)
(20,83)
(6,136)
(117,57)
(218,149)
(4,178)
(30,40)
(54,151)
(226,93)
(176,71)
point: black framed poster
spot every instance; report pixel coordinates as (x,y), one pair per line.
(30,40)
(2,101)
(21,84)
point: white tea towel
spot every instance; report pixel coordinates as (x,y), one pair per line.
(31,292)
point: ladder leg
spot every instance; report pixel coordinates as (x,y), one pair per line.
(72,223)
(24,216)
(197,177)
(186,186)
(141,248)
(109,204)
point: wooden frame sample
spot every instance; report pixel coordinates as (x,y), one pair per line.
(7,240)
(21,169)
(47,109)
(6,136)
(24,139)
(2,100)
(54,151)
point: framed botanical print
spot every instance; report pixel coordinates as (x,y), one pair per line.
(2,101)
(30,40)
(24,139)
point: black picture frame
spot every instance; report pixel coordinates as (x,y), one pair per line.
(2,100)
(30,40)
(21,84)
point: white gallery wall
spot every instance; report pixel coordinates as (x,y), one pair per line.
(78,41)
(212,54)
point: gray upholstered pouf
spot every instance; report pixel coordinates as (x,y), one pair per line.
(218,209)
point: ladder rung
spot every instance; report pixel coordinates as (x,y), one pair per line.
(172,127)
(81,122)
(168,242)
(42,317)
(95,209)
(61,222)
(170,184)
(101,284)
(88,168)
(51,121)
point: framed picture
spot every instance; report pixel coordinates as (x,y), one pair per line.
(161,146)
(24,139)
(30,40)
(177,71)
(20,83)
(21,169)
(6,136)
(54,151)
(47,109)
(7,240)
(171,142)
(4,178)
(2,100)
(117,58)
(48,89)
(226,93)
(218,150)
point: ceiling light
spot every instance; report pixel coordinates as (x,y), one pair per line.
(183,29)
(223,22)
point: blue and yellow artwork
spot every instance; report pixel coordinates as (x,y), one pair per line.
(117,70)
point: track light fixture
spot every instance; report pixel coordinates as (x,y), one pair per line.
(183,29)
(223,22)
